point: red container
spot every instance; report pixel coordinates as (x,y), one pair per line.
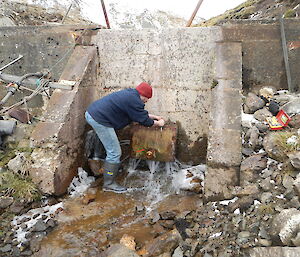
(281,120)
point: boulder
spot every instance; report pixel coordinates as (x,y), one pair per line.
(262,114)
(295,159)
(119,250)
(272,146)
(254,103)
(286,225)
(165,243)
(274,252)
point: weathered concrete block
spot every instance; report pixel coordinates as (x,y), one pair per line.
(224,147)
(59,140)
(226,108)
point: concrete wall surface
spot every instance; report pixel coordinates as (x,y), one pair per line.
(43,47)
(178,63)
(263,63)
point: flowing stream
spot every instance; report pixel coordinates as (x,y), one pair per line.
(87,229)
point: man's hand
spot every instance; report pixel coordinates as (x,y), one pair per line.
(159,123)
(155,117)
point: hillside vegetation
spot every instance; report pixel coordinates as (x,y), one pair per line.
(256,10)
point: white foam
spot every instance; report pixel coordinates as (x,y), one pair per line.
(80,183)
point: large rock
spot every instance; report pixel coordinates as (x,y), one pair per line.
(295,159)
(165,243)
(286,225)
(119,250)
(18,164)
(292,106)
(262,114)
(295,121)
(297,185)
(274,252)
(273,148)
(254,103)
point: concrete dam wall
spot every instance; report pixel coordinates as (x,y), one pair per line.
(197,75)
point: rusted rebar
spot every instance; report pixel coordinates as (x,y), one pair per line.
(194,13)
(105,14)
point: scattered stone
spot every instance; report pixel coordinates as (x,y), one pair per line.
(128,241)
(6,248)
(89,196)
(169,224)
(154,217)
(39,226)
(271,146)
(274,251)
(251,166)
(168,215)
(35,242)
(247,151)
(253,135)
(250,189)
(178,252)
(17,207)
(262,127)
(266,184)
(295,159)
(295,121)
(119,250)
(266,197)
(297,184)
(5,202)
(164,243)
(264,242)
(139,208)
(288,182)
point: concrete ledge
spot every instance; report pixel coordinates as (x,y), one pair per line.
(59,140)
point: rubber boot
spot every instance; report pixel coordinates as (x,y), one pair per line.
(110,172)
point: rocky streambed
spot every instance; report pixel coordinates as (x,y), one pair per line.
(261,219)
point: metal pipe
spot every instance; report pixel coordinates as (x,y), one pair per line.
(63,20)
(31,81)
(105,14)
(12,62)
(194,13)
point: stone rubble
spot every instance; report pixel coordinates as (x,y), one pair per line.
(262,219)
(264,215)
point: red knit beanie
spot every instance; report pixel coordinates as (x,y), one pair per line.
(144,89)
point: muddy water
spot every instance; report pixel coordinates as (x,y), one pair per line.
(87,229)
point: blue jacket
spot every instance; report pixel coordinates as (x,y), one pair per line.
(120,108)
